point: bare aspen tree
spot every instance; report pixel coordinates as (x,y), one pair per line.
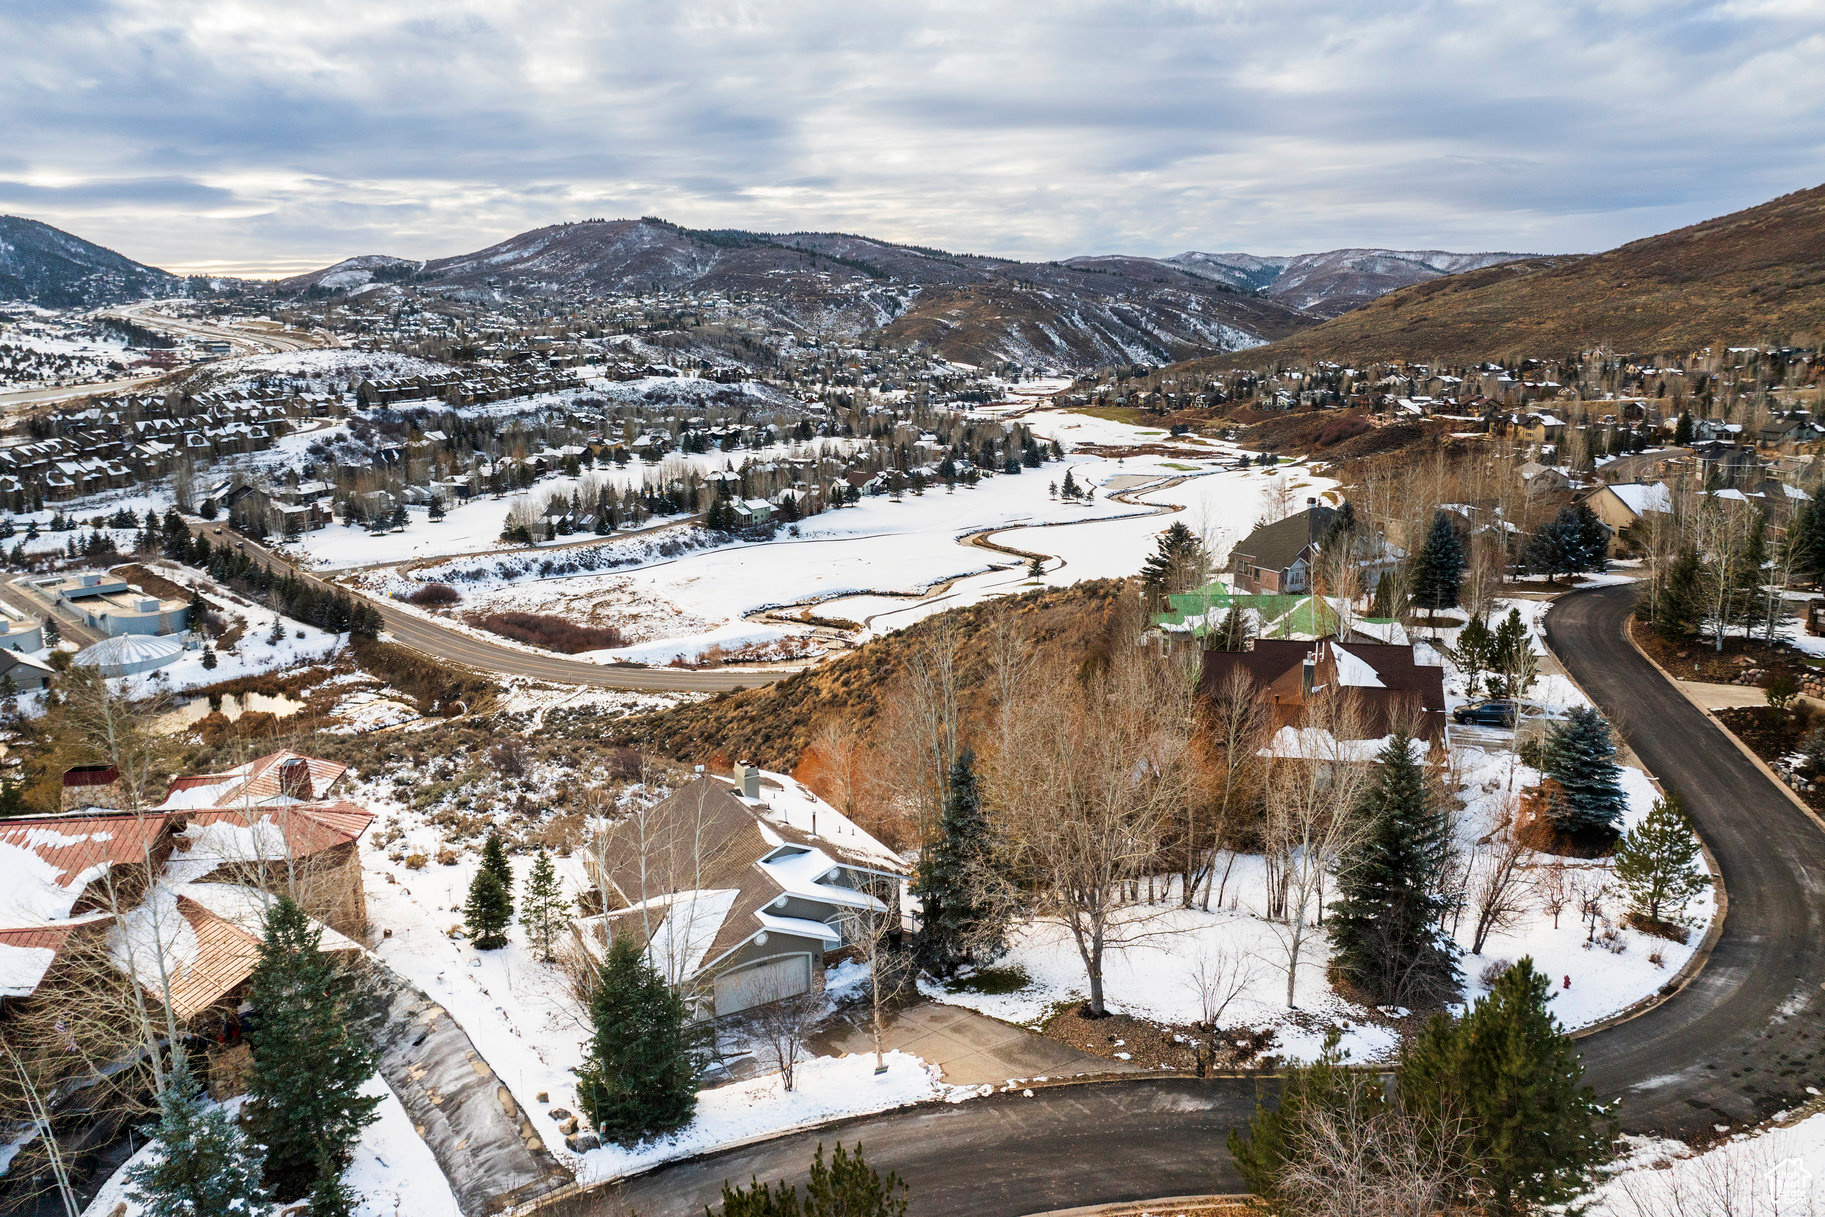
(1496,893)
(870,931)
(781,1022)
(662,859)
(1313,789)
(1010,660)
(1238,729)
(102,725)
(1723,535)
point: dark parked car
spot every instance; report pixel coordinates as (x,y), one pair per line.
(1499,712)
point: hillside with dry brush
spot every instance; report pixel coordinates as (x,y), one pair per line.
(1755,276)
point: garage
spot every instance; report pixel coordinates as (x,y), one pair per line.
(756,984)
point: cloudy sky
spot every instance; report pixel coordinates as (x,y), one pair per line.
(260,137)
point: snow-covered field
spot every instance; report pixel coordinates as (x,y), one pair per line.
(883,563)
(1774,1171)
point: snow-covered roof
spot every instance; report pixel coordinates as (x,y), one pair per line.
(1641,497)
(1353,672)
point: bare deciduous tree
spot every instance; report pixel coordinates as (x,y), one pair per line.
(1361,1157)
(1312,796)
(1218,976)
(1495,891)
(1083,790)
(780,1024)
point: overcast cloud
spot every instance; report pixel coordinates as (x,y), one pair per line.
(267,137)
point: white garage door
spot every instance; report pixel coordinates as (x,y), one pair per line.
(758,983)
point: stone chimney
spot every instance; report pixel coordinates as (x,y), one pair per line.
(750,780)
(87,786)
(1313,529)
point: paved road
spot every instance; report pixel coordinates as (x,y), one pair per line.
(247,342)
(39,397)
(410,629)
(1746,1036)
(1738,1043)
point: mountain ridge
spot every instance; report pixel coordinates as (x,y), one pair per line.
(975,308)
(44,265)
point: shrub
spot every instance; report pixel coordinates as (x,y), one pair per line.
(552,633)
(1492,972)
(1781,691)
(435,595)
(415,861)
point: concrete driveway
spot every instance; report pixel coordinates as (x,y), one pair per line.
(970,1049)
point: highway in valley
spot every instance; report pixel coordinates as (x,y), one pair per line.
(243,341)
(1741,1040)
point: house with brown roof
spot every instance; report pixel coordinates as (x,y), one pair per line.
(1392,684)
(739,888)
(208,857)
(1277,558)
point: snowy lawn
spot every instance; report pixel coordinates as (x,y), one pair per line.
(393,1173)
(1775,1171)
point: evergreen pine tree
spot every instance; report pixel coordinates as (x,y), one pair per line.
(488,911)
(1678,607)
(1438,567)
(308,1066)
(960,922)
(639,1078)
(1510,1074)
(1591,538)
(494,860)
(1475,645)
(1260,1153)
(205,1164)
(1657,863)
(1580,755)
(1506,647)
(1682,433)
(1232,633)
(1176,562)
(845,1187)
(1385,932)
(543,909)
(1069,489)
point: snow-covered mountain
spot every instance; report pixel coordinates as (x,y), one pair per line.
(1336,281)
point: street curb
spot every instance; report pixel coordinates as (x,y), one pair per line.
(1719,723)
(1702,954)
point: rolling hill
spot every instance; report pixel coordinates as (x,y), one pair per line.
(51,268)
(1754,276)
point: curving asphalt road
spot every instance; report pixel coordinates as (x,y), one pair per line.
(1737,1043)
(441,642)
